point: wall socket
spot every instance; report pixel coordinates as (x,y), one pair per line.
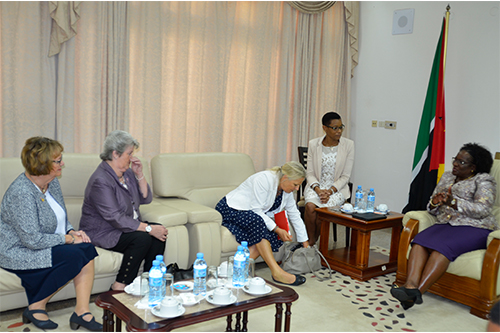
(374,123)
(390,124)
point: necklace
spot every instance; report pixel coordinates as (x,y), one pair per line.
(43,189)
(456,179)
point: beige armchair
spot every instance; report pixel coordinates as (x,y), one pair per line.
(473,278)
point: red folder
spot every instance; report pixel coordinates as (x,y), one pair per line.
(282,221)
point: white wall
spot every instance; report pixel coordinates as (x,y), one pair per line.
(390,83)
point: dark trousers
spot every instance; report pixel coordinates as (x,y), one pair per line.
(136,246)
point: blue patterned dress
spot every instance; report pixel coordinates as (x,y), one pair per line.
(248,226)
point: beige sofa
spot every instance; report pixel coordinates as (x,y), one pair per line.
(194,183)
(76,172)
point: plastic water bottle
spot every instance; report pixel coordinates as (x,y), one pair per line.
(163,269)
(370,203)
(200,275)
(239,268)
(358,199)
(155,280)
(246,251)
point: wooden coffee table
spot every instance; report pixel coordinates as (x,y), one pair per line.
(121,305)
(357,260)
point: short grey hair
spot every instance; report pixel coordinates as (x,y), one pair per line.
(118,141)
(293,170)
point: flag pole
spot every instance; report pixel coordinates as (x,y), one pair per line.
(446,38)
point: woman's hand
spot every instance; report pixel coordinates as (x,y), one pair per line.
(158,231)
(324,195)
(72,238)
(305,244)
(82,234)
(136,166)
(283,234)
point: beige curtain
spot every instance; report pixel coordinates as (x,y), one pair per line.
(311,7)
(28,80)
(252,77)
(64,15)
(93,84)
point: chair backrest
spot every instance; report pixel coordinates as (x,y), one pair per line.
(303,161)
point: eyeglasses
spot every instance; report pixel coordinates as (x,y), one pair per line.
(336,128)
(59,161)
(453,160)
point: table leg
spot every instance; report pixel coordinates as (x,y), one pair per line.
(288,316)
(118,325)
(396,233)
(325,235)
(229,323)
(354,239)
(108,322)
(279,313)
(363,248)
(237,326)
(245,321)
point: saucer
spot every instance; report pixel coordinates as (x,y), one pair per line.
(267,291)
(156,312)
(346,212)
(184,286)
(209,295)
(381,212)
(131,290)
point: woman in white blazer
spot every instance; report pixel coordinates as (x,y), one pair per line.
(248,212)
(329,164)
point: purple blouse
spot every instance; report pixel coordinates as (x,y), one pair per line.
(475,198)
(108,207)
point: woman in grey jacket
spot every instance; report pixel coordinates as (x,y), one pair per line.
(38,244)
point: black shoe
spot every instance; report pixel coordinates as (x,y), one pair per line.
(42,324)
(407,305)
(299,279)
(76,321)
(403,294)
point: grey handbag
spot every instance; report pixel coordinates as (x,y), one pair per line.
(300,260)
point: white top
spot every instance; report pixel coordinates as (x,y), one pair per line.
(258,193)
(59,211)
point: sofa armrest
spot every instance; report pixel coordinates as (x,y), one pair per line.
(493,235)
(425,220)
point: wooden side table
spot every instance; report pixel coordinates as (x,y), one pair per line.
(357,260)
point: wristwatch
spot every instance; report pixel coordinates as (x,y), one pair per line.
(148,229)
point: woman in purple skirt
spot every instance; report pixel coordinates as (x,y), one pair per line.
(462,202)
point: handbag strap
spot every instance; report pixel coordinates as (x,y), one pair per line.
(329,268)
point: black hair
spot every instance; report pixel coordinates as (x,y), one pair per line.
(328,117)
(481,156)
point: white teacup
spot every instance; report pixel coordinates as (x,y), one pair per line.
(136,285)
(382,208)
(221,295)
(170,306)
(222,269)
(347,207)
(257,285)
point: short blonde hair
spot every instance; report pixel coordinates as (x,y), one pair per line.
(38,155)
(293,170)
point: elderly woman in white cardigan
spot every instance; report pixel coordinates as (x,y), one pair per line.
(38,244)
(247,209)
(329,164)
